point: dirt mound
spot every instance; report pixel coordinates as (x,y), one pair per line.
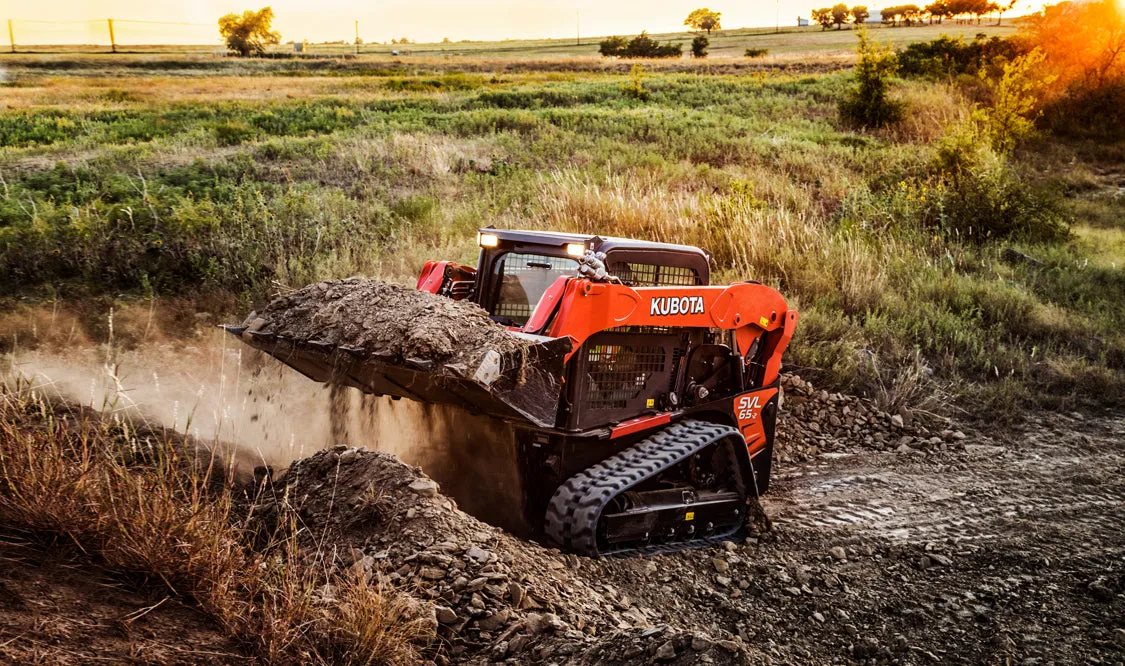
(383,318)
(812,423)
(490,593)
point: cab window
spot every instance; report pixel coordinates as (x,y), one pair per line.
(522,279)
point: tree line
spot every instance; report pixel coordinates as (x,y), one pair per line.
(938,11)
(840,14)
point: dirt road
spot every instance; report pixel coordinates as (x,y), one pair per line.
(1008,553)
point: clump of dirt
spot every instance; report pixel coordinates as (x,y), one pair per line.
(382,318)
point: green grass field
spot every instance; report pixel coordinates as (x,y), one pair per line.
(129,185)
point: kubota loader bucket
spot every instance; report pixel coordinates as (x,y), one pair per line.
(522,385)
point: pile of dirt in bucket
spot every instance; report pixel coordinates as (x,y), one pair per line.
(382,318)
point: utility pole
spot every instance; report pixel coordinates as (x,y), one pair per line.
(112,40)
(11,36)
(357,37)
(777,18)
(577,29)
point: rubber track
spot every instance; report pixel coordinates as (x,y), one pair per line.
(576,507)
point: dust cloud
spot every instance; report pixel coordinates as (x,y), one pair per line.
(229,395)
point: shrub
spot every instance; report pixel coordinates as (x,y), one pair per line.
(636,87)
(613,46)
(1015,100)
(867,104)
(641,46)
(756,53)
(699,46)
(949,56)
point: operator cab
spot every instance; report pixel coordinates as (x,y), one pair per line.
(516,267)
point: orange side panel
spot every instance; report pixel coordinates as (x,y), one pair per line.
(748,412)
(587,308)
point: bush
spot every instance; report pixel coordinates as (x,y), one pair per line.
(641,46)
(949,56)
(756,53)
(613,46)
(868,105)
(699,46)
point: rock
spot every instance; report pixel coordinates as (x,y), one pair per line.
(818,617)
(666,652)
(896,421)
(838,552)
(729,646)
(938,558)
(431,573)
(721,565)
(958,435)
(534,623)
(445,615)
(516,594)
(723,581)
(478,554)
(495,621)
(701,643)
(905,449)
(425,487)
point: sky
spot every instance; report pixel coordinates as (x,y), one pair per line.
(83,21)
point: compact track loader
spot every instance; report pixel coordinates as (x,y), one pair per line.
(643,399)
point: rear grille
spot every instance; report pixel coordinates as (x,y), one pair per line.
(652,275)
(617,374)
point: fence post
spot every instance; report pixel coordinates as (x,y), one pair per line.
(112,41)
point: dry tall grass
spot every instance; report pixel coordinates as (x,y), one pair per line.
(145,508)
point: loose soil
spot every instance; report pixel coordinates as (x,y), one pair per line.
(894,539)
(54,611)
(382,318)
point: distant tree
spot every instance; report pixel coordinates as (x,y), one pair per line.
(641,46)
(613,46)
(860,14)
(699,46)
(446,40)
(1003,7)
(756,53)
(823,16)
(249,33)
(840,15)
(704,19)
(937,10)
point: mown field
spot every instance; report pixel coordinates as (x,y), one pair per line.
(197,186)
(787,41)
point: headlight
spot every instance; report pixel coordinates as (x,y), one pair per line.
(487,240)
(576,250)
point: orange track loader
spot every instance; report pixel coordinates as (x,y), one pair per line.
(644,402)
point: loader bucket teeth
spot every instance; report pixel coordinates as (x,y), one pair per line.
(521,385)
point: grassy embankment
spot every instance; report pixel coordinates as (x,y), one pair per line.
(150,509)
(155,186)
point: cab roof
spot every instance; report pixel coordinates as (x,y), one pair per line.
(592,241)
(616,249)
